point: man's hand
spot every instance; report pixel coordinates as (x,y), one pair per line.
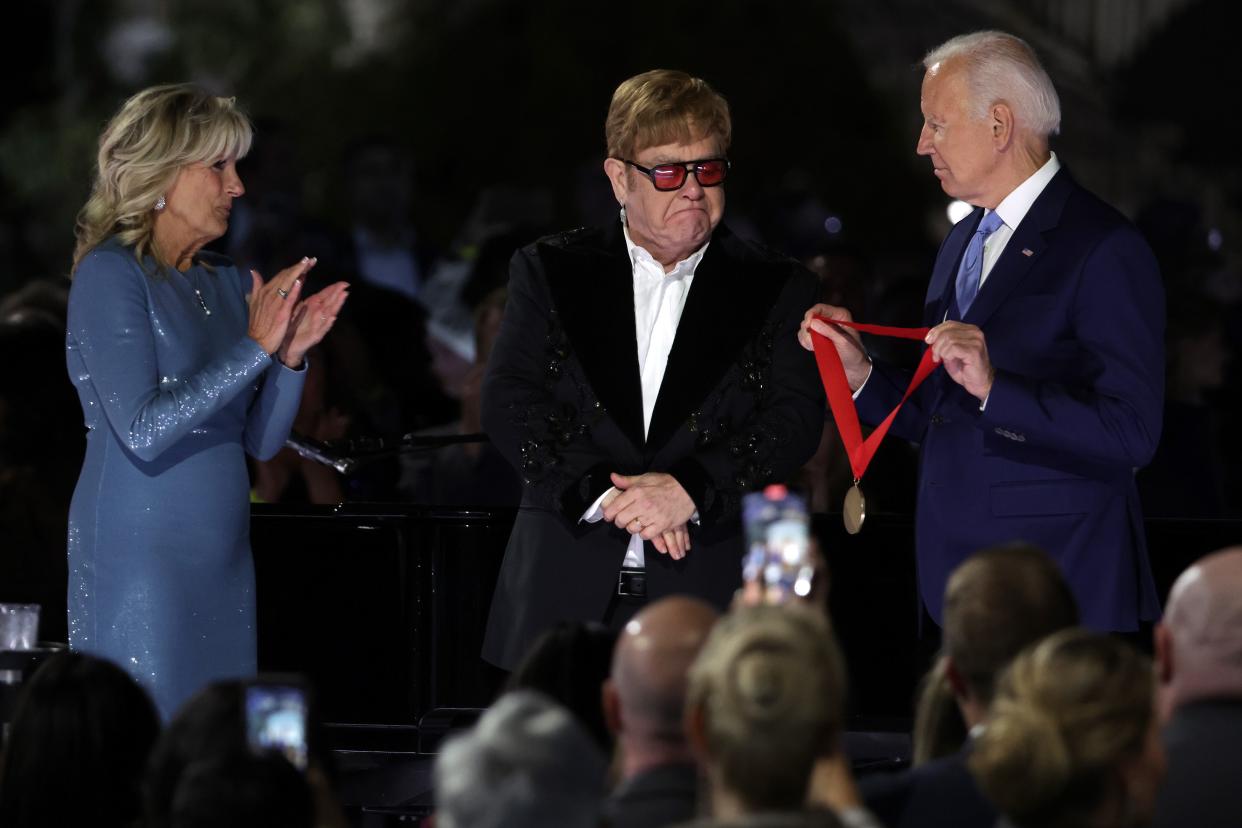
(649,505)
(847,340)
(674,542)
(963,351)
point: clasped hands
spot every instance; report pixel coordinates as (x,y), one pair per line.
(961,348)
(653,506)
(285,325)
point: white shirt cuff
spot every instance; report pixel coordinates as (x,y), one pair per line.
(870,368)
(595,513)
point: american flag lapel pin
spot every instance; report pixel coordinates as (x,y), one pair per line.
(1026,251)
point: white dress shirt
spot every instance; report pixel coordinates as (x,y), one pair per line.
(1012,210)
(659,299)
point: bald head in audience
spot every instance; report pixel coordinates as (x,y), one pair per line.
(645,697)
(1199,642)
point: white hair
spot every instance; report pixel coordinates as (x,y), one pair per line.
(526,764)
(1001,67)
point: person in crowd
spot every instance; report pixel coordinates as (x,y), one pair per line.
(1073,740)
(205,747)
(997,603)
(182,366)
(242,791)
(387,252)
(569,664)
(765,704)
(77,747)
(644,703)
(1199,665)
(526,764)
(646,374)
(41,449)
(1186,477)
(1047,319)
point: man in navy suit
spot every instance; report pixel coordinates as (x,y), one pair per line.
(1047,316)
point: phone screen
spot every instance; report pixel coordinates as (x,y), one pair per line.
(778,565)
(276,720)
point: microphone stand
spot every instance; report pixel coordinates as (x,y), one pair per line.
(346,455)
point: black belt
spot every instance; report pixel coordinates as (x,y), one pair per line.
(632,582)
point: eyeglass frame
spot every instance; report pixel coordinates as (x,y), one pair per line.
(690,168)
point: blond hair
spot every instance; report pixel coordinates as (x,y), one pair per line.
(156,133)
(1066,715)
(664,106)
(770,687)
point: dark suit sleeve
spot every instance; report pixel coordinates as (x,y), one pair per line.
(881,393)
(783,428)
(1118,319)
(545,436)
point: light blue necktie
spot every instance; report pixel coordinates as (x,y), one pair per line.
(971,270)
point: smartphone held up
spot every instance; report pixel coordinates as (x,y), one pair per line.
(778,566)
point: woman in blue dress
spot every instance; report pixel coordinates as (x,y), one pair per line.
(183,366)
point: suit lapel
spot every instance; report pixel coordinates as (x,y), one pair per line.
(1023,250)
(729,299)
(944,273)
(592,287)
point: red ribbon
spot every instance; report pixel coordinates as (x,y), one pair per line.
(841,400)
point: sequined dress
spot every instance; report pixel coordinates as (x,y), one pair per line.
(174,393)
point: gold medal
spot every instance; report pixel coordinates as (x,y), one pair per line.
(854,511)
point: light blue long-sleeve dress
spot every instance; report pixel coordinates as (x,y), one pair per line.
(173,390)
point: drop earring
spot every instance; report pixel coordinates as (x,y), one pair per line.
(160,204)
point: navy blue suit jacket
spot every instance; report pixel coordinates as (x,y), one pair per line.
(1073,315)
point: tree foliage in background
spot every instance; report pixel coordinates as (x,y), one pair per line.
(482,92)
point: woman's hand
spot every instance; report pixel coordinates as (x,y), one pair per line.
(272,304)
(312,319)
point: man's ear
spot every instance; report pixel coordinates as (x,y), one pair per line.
(957,683)
(611,704)
(696,732)
(616,172)
(1163,641)
(1001,119)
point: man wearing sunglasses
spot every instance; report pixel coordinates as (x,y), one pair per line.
(645,376)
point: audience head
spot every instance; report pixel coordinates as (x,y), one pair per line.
(1072,739)
(765,703)
(156,134)
(645,698)
(242,791)
(77,746)
(526,763)
(204,747)
(569,664)
(1199,641)
(998,602)
(661,120)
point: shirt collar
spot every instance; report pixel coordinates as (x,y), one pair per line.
(1017,204)
(639,254)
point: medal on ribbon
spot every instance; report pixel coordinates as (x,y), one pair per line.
(841,402)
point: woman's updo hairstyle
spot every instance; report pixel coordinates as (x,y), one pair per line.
(1067,713)
(769,685)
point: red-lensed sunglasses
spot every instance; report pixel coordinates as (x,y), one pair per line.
(709,172)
